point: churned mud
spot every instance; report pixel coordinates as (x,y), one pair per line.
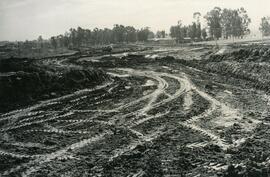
(161,112)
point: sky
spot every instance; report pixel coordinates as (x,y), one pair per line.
(27,19)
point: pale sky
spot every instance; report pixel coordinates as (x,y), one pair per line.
(27,19)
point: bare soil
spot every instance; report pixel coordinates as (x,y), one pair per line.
(190,111)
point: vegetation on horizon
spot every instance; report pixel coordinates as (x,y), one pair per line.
(226,23)
(80,37)
(265,26)
(220,23)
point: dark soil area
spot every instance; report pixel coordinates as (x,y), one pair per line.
(25,81)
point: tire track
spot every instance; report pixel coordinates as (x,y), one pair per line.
(24,112)
(13,155)
(63,132)
(36,122)
(31,166)
(214,106)
(215,139)
(138,117)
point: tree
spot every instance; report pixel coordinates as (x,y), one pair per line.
(95,37)
(119,33)
(192,31)
(163,34)
(143,34)
(40,39)
(53,42)
(66,40)
(204,33)
(184,31)
(160,34)
(80,38)
(151,35)
(131,34)
(60,41)
(235,23)
(213,19)
(265,26)
(175,32)
(178,32)
(107,36)
(226,23)
(196,30)
(199,31)
(245,21)
(197,16)
(73,37)
(40,42)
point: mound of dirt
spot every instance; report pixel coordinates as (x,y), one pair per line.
(244,54)
(113,62)
(249,64)
(23,81)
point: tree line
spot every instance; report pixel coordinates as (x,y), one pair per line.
(226,23)
(193,31)
(220,23)
(229,23)
(84,37)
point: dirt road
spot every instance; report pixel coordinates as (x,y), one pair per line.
(156,120)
